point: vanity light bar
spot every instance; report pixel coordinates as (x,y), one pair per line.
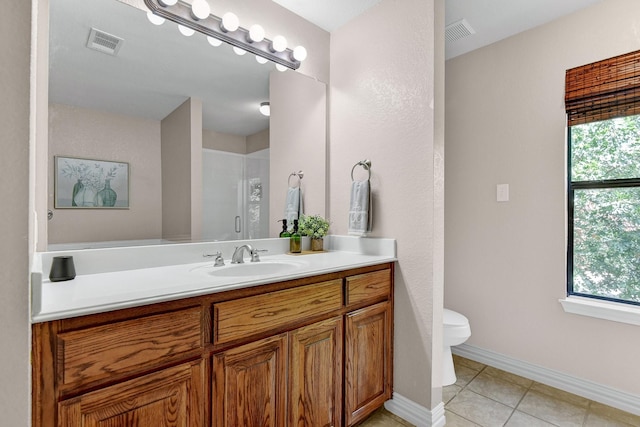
(181,14)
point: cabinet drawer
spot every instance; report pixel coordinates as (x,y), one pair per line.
(249,316)
(368,287)
(127,346)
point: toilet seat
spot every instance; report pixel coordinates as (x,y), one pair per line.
(453,318)
(456,328)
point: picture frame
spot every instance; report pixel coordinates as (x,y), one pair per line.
(90,184)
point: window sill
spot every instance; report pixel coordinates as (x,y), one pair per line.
(616,312)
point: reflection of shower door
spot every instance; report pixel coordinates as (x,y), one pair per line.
(222,195)
(257,195)
(234,196)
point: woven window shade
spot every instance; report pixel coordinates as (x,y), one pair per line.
(603,90)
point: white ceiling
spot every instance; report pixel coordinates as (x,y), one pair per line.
(157,69)
(328,14)
(494,20)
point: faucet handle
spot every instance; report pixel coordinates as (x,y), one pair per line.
(254,254)
(219,261)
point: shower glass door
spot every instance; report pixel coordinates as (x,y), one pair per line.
(235,195)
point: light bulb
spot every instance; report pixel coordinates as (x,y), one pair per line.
(279,44)
(155,19)
(261,59)
(200,9)
(265,109)
(185,31)
(281,68)
(256,33)
(299,53)
(230,22)
(166,3)
(239,51)
(213,41)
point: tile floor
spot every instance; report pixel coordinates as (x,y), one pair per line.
(383,418)
(485,396)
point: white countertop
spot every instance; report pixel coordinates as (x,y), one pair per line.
(109,280)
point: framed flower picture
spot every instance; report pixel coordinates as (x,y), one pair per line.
(93,184)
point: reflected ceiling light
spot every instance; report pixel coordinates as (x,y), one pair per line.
(214,42)
(239,51)
(265,109)
(155,19)
(227,29)
(261,60)
(185,31)
(200,9)
(280,67)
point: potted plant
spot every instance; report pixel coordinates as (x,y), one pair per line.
(315,227)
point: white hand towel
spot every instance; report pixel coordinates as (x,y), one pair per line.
(293,205)
(360,219)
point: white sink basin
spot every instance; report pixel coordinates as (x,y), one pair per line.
(248,269)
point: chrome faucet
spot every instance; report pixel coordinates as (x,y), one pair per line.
(237,254)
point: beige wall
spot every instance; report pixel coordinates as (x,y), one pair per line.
(235,143)
(258,141)
(505,262)
(224,142)
(181,136)
(382,84)
(437,298)
(297,136)
(85,133)
(15,39)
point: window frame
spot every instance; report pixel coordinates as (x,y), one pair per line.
(572,186)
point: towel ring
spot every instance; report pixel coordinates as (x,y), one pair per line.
(366,164)
(298,174)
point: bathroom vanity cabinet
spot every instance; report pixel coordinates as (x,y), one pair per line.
(304,352)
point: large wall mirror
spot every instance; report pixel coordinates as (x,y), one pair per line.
(123,106)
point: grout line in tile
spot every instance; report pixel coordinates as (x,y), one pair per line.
(515,408)
(586,414)
(481,395)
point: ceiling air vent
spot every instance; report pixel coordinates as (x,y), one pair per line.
(104,42)
(458,30)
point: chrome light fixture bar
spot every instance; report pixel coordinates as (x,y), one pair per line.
(182,14)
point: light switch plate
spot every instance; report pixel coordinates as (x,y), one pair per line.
(502,192)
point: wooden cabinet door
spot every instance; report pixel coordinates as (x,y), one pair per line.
(249,384)
(367,361)
(172,397)
(315,381)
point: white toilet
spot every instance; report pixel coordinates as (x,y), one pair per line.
(456,331)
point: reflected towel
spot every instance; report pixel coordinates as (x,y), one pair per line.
(293,205)
(360,219)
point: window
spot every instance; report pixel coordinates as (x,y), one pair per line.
(603,110)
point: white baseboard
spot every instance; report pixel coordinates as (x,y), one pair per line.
(581,387)
(414,413)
